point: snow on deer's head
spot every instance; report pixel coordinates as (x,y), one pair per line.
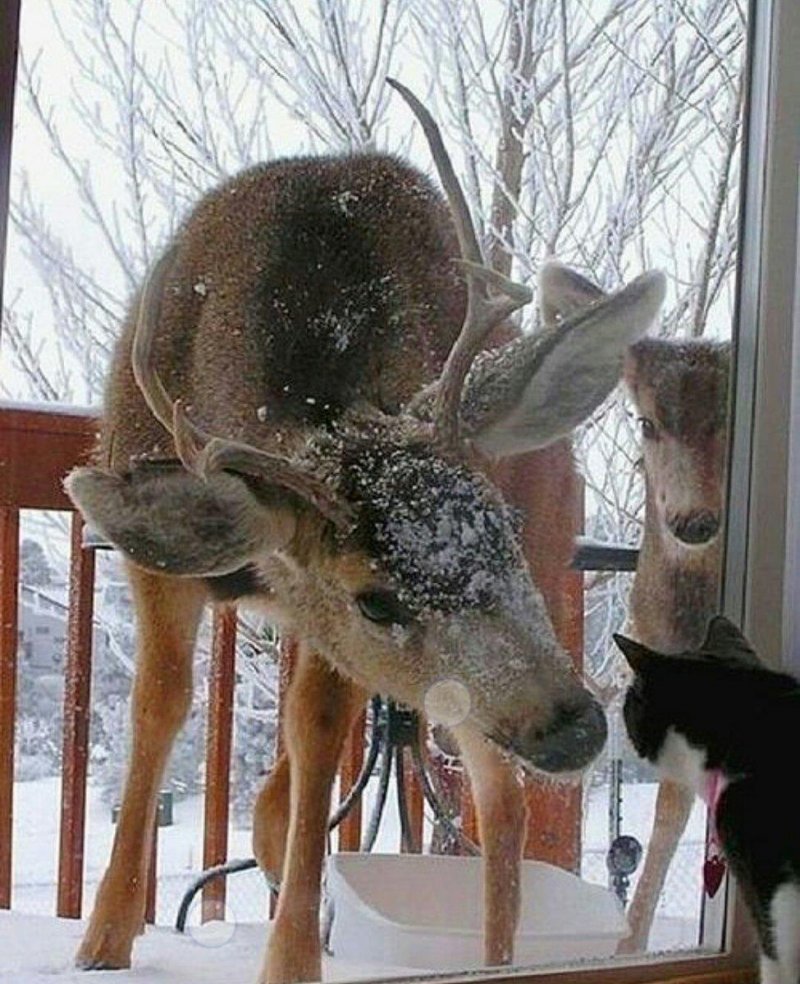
(680,390)
(428,589)
(381,540)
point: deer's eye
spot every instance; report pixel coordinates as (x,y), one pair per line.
(649,429)
(383,608)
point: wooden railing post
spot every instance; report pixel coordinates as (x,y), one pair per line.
(75,758)
(546,487)
(219,738)
(349,770)
(9,610)
(469,815)
(415,801)
(555,809)
(37,448)
(152,878)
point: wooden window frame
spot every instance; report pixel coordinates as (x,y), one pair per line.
(762,569)
(9,42)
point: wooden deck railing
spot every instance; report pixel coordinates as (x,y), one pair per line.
(37,448)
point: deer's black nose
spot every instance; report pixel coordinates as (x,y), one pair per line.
(574,738)
(696,528)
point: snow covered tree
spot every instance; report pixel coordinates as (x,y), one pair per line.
(34,567)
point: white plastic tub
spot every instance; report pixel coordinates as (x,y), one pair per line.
(426,911)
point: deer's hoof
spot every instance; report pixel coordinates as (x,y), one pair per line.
(81,964)
(100,963)
(104,952)
(630,945)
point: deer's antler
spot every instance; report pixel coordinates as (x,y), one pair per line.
(484,311)
(199,451)
(142,358)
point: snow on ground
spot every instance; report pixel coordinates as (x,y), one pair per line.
(40,950)
(35,849)
(180,851)
(45,949)
(677,919)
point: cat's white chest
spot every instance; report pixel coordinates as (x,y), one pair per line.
(785,916)
(683,763)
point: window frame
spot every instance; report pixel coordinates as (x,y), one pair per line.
(9,44)
(762,567)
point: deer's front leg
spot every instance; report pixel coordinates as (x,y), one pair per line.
(673,806)
(500,804)
(168,611)
(320,706)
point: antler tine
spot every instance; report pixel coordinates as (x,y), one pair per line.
(223,454)
(484,312)
(200,452)
(467,237)
(142,362)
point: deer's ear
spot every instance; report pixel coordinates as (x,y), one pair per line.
(563,292)
(723,638)
(538,388)
(172,522)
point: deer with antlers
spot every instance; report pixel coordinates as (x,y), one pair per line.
(275,432)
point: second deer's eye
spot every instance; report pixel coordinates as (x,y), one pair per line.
(383,608)
(649,430)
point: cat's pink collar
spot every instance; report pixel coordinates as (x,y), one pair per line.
(715,782)
(713,786)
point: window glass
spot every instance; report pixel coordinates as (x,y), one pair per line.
(606,134)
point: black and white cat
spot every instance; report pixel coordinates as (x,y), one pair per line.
(719,721)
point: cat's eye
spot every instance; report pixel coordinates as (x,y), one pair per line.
(383,608)
(649,429)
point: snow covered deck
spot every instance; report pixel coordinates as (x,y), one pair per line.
(40,950)
(180,853)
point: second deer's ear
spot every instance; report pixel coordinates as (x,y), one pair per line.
(563,292)
(538,388)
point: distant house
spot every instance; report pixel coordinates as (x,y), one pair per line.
(43,631)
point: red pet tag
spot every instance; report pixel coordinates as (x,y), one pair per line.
(714,870)
(715,866)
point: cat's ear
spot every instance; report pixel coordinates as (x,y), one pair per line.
(637,655)
(723,638)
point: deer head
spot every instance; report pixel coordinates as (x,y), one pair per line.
(680,390)
(381,540)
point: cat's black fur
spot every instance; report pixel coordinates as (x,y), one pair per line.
(745,720)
